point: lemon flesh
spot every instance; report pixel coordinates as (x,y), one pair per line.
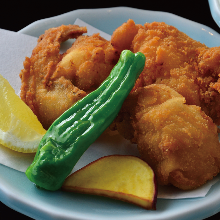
(20,129)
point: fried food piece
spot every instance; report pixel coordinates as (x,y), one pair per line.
(124,121)
(122,37)
(89,61)
(209,82)
(49,98)
(53,82)
(179,141)
(165,114)
(176,60)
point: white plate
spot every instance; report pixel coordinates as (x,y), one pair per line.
(20,194)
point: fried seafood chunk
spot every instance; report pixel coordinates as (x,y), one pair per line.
(89,60)
(52,82)
(179,141)
(123,36)
(176,60)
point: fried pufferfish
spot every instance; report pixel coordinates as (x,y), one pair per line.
(174,59)
(52,82)
(179,141)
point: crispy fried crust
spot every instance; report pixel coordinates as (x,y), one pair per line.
(53,82)
(176,60)
(171,109)
(179,141)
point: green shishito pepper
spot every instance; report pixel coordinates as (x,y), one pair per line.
(78,127)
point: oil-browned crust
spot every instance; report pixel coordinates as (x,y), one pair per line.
(50,86)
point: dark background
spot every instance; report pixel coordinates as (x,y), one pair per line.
(16,15)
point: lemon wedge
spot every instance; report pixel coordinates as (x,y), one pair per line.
(20,129)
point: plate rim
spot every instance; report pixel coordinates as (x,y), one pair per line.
(28,27)
(215,10)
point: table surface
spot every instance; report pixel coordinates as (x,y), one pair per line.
(25,12)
